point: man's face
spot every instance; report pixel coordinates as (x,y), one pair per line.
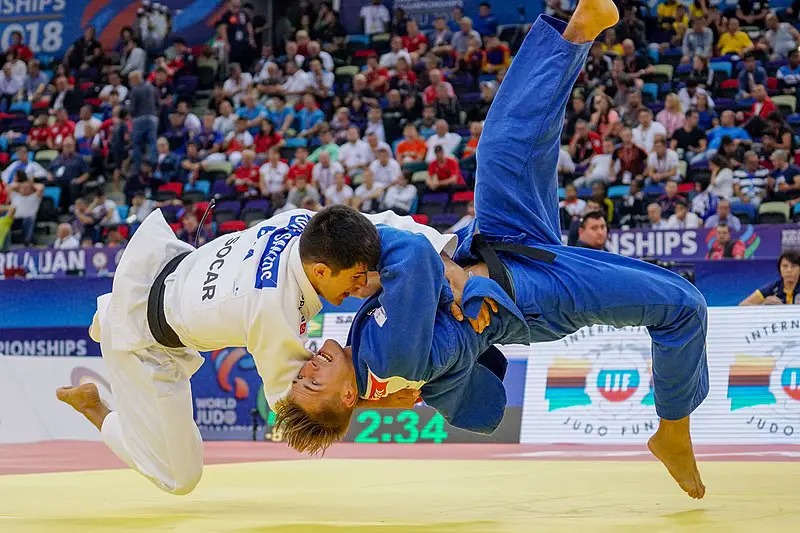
(326,381)
(752,163)
(441,128)
(626,136)
(759,93)
(22,155)
(699,24)
(692,120)
(733,26)
(645,119)
(397,44)
(653,213)
(336,287)
(352,135)
(383,157)
(750,64)
(162,146)
(723,209)
(681,211)
(68,146)
(628,48)
(723,235)
(301,155)
(581,130)
(794,59)
(571,192)
(728,118)
(672,189)
(594,233)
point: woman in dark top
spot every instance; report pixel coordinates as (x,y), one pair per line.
(701,73)
(781,132)
(785,290)
(85,51)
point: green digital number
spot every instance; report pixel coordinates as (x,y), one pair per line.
(365,435)
(412,419)
(434,429)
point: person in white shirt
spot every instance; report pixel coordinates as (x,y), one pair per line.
(375,18)
(26,196)
(662,163)
(400,196)
(65,240)
(114,85)
(367,196)
(683,218)
(296,84)
(389,59)
(238,84)
(324,171)
(319,80)
(448,141)
(257,289)
(32,169)
(385,169)
(599,170)
(375,145)
(273,173)
(354,155)
(87,119)
(375,124)
(654,217)
(242,137)
(688,95)
(104,210)
(566,165)
(645,133)
(340,192)
(316,52)
(464,221)
(225,123)
(573,205)
(191,122)
(721,177)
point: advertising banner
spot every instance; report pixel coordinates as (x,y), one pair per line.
(595,386)
(51,26)
(761,241)
(53,263)
(68,341)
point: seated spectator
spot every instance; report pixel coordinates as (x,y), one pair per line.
(584,144)
(427,124)
(723,216)
(670,199)
(429,95)
(440,37)
(683,218)
(415,42)
(361,91)
(281,114)
(752,13)
(701,73)
(592,231)
(671,117)
(251,112)
(273,174)
(761,110)
(87,121)
(208,140)
(167,164)
(178,135)
(444,138)
(191,165)
(340,193)
(498,55)
(270,80)
(236,141)
(565,166)
(632,108)
(726,129)
(460,39)
(486,23)
(85,52)
(446,106)
(785,176)
(301,190)
(325,170)
(778,134)
(473,60)
(191,232)
(340,124)
(403,78)
(184,63)
(785,290)
(69,171)
(789,75)
(133,58)
(320,81)
(104,211)
(238,84)
(604,117)
(279,204)
(662,164)
(316,53)
(721,177)
(400,196)
(32,169)
(266,138)
(724,247)
(630,160)
(19,48)
(225,123)
(355,154)
(698,42)
(412,149)
(291,55)
(297,83)
(389,59)
(734,41)
(646,132)
(635,64)
(750,76)
(375,144)
(571,204)
(475,130)
(632,211)
(443,171)
(780,39)
(689,140)
(311,118)
(246,178)
(65,239)
(385,169)
(114,86)
(26,196)
(10,87)
(750,180)
(61,129)
(654,220)
(34,86)
(367,196)
(600,167)
(375,124)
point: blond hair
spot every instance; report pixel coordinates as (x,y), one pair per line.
(307,433)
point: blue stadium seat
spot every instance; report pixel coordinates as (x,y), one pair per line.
(123,211)
(199,185)
(748,210)
(54,193)
(654,190)
(618,191)
(21,107)
(722,66)
(585,192)
(562,193)
(295,142)
(650,89)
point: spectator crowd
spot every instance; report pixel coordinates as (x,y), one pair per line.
(682,117)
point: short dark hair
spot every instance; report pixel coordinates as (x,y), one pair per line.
(341,238)
(792,256)
(592,215)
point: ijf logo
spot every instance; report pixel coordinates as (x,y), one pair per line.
(606,388)
(766,388)
(749,237)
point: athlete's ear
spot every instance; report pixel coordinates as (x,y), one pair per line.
(349,396)
(320,270)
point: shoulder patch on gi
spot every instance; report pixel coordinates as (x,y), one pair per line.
(380,316)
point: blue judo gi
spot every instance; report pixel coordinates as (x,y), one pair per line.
(406,337)
(516,201)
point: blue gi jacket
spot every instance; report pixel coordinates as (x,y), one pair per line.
(406,337)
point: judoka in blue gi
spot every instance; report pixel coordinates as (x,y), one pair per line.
(406,338)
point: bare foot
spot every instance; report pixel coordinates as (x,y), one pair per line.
(86,400)
(591,17)
(672,445)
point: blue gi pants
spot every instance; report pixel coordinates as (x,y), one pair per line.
(516,200)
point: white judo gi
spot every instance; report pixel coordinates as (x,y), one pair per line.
(242,289)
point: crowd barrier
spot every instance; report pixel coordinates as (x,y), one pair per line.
(594,386)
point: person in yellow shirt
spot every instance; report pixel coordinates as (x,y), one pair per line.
(734,41)
(666,13)
(697,9)
(610,43)
(680,25)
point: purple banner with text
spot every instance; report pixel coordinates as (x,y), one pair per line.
(52,263)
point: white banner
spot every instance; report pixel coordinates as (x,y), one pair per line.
(596,386)
(29,410)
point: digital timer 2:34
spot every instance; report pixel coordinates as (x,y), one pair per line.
(405,427)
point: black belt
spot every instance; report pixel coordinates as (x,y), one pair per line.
(487,250)
(162,332)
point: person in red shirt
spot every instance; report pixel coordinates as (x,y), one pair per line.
(267,138)
(584,144)
(19,48)
(429,94)
(443,172)
(301,167)
(246,178)
(475,129)
(724,247)
(403,79)
(377,76)
(415,42)
(38,134)
(760,111)
(498,56)
(62,128)
(412,149)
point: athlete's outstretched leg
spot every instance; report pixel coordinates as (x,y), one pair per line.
(516,192)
